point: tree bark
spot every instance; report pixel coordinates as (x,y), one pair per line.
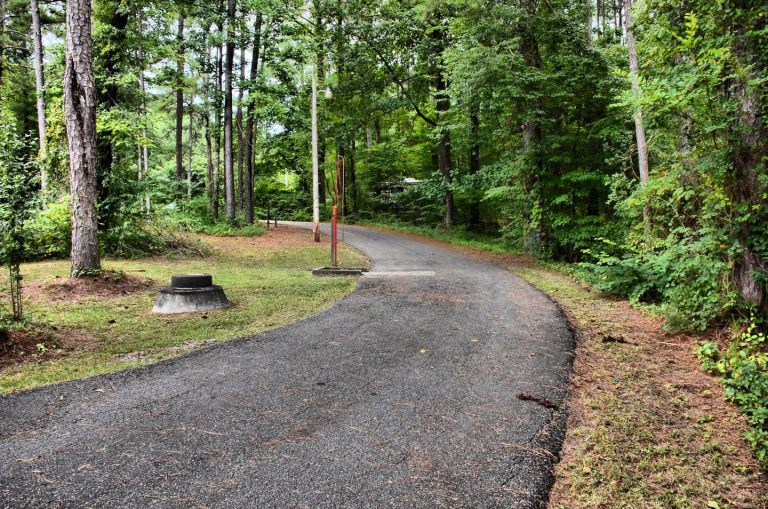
(2,36)
(207,123)
(251,123)
(190,142)
(352,177)
(217,126)
(180,100)
(80,120)
(749,144)
(229,175)
(320,35)
(441,107)
(144,149)
(642,146)
(37,41)
(474,165)
(239,127)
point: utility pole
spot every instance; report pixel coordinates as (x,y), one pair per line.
(315,164)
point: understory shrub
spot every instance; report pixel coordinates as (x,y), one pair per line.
(48,231)
(685,279)
(195,217)
(743,366)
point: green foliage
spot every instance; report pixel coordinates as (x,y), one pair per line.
(48,231)
(17,178)
(17,182)
(271,196)
(684,278)
(744,368)
(195,217)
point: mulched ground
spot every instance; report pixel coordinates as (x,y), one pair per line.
(107,285)
(40,344)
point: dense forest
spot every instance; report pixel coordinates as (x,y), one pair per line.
(626,140)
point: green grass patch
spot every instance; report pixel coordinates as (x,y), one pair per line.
(269,286)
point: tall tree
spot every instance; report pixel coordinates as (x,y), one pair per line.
(251,121)
(749,145)
(80,120)
(210,170)
(229,175)
(442,106)
(2,40)
(217,124)
(180,98)
(239,116)
(634,77)
(474,162)
(190,146)
(37,41)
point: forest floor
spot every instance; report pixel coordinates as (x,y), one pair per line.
(647,427)
(76,328)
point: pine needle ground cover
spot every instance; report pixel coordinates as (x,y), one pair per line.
(647,426)
(79,329)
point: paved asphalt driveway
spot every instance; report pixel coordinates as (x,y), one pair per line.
(439,388)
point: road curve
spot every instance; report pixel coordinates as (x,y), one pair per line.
(438,383)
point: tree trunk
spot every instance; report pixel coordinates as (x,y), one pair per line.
(352,177)
(444,147)
(321,172)
(217,126)
(642,146)
(251,123)
(207,123)
(322,191)
(180,100)
(229,175)
(80,120)
(531,128)
(240,132)
(145,147)
(209,162)
(474,165)
(749,144)
(190,142)
(315,179)
(2,36)
(37,40)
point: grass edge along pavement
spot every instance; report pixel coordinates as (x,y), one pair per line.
(647,427)
(267,278)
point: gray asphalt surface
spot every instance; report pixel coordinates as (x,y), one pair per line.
(405,394)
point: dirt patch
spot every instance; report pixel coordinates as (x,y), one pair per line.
(41,345)
(107,285)
(274,238)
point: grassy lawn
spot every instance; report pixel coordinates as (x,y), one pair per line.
(267,279)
